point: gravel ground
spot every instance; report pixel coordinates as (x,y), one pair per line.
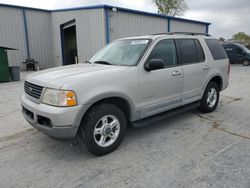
(187,150)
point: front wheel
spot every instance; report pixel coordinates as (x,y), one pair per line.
(245,63)
(210,98)
(103,128)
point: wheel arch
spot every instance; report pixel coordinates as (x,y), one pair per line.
(119,101)
(214,78)
(123,102)
(218,80)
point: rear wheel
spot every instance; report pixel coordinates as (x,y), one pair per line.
(210,98)
(245,63)
(103,128)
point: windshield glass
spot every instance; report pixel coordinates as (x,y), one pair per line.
(123,52)
(244,48)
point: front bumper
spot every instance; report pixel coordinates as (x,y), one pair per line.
(58,122)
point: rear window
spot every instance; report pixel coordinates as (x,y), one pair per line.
(216,49)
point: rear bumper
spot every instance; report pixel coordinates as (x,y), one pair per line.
(56,122)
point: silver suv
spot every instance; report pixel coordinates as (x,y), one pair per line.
(130,80)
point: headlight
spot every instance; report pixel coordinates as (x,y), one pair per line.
(59,97)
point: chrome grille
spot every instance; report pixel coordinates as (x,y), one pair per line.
(33,90)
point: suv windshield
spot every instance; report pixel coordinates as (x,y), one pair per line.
(123,52)
(244,48)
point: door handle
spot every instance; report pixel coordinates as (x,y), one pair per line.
(176,73)
(206,67)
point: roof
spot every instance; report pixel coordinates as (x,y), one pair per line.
(111,7)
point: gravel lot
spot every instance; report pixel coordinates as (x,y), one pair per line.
(186,150)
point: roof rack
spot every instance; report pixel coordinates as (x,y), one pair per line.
(183,33)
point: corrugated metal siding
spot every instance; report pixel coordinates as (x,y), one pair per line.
(90,32)
(176,26)
(12,34)
(40,37)
(45,37)
(123,24)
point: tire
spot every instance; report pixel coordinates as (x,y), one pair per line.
(245,63)
(103,128)
(209,105)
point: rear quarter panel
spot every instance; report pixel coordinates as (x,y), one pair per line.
(217,67)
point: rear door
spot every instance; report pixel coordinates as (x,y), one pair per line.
(195,68)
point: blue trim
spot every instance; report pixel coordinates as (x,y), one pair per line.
(107,25)
(80,8)
(26,33)
(110,7)
(169,25)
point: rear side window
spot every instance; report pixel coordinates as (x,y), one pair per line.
(216,49)
(190,51)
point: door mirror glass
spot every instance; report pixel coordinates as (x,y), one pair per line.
(154,64)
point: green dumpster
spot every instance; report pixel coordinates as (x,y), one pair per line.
(4,65)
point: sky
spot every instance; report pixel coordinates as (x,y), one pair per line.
(227,16)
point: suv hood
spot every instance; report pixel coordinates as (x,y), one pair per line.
(55,77)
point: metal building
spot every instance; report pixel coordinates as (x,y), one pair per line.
(66,36)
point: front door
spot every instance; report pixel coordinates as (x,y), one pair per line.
(161,90)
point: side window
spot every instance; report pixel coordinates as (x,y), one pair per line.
(189,51)
(216,49)
(166,51)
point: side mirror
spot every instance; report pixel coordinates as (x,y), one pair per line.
(154,64)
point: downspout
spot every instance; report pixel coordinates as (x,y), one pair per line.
(107,25)
(169,25)
(207,29)
(26,33)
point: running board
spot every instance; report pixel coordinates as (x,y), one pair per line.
(164,115)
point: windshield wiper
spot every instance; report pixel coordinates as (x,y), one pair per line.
(103,62)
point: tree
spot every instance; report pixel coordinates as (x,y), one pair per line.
(171,7)
(242,37)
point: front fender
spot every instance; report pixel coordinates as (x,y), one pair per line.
(98,94)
